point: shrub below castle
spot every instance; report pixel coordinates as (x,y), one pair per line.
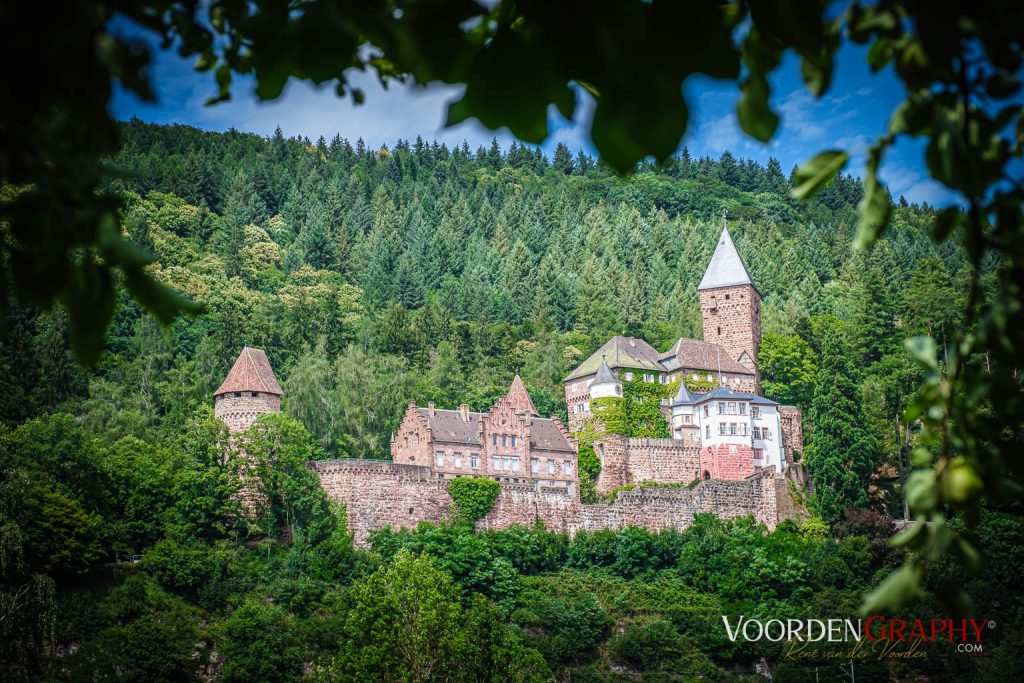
(473,498)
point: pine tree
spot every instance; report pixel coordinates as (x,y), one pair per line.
(841,456)
(562,161)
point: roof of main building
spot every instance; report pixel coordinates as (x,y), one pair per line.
(690,354)
(620,352)
(251,372)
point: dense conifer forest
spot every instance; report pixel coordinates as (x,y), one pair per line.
(375,277)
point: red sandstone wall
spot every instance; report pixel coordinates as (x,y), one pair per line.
(722,463)
(380,493)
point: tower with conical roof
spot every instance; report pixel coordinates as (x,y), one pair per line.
(605,384)
(249,390)
(730,305)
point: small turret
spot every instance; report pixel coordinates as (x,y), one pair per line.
(605,383)
(249,390)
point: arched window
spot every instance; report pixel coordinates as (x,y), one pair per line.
(707,475)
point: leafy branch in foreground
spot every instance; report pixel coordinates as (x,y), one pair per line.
(960,64)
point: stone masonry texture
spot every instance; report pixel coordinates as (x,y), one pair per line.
(380,494)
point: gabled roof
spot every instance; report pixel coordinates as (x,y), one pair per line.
(726,268)
(448,426)
(520,398)
(546,435)
(701,355)
(620,352)
(251,372)
(604,374)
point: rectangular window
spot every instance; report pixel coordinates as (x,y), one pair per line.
(506,464)
(743,409)
(439,457)
(513,442)
(515,464)
(707,431)
(574,386)
(495,463)
(758,454)
(458,459)
(504,440)
(721,428)
(706,411)
(755,413)
(551,466)
(566,467)
(757,432)
(732,428)
(474,462)
(688,419)
(765,434)
(629,376)
(721,408)
(494,439)
(534,465)
(648,378)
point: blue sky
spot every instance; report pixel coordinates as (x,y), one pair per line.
(849,116)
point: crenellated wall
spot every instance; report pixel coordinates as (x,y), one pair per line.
(628,460)
(381,494)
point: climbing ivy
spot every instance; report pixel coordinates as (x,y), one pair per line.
(589,470)
(473,497)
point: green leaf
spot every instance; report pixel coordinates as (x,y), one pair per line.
(913,537)
(899,588)
(875,208)
(946,221)
(961,483)
(159,299)
(755,116)
(818,172)
(924,351)
(922,490)
(89,300)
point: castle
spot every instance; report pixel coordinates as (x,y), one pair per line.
(735,450)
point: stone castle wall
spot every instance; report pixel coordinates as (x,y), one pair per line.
(628,460)
(239,412)
(381,494)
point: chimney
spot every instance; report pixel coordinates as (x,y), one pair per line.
(464,412)
(430,408)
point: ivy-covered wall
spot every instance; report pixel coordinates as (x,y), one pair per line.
(637,413)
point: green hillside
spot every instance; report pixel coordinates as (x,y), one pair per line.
(374,277)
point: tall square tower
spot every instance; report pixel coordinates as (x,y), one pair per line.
(730,305)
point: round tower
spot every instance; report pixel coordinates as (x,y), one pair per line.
(605,384)
(250,390)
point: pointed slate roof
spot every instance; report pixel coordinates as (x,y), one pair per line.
(726,268)
(251,372)
(683,396)
(604,374)
(520,398)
